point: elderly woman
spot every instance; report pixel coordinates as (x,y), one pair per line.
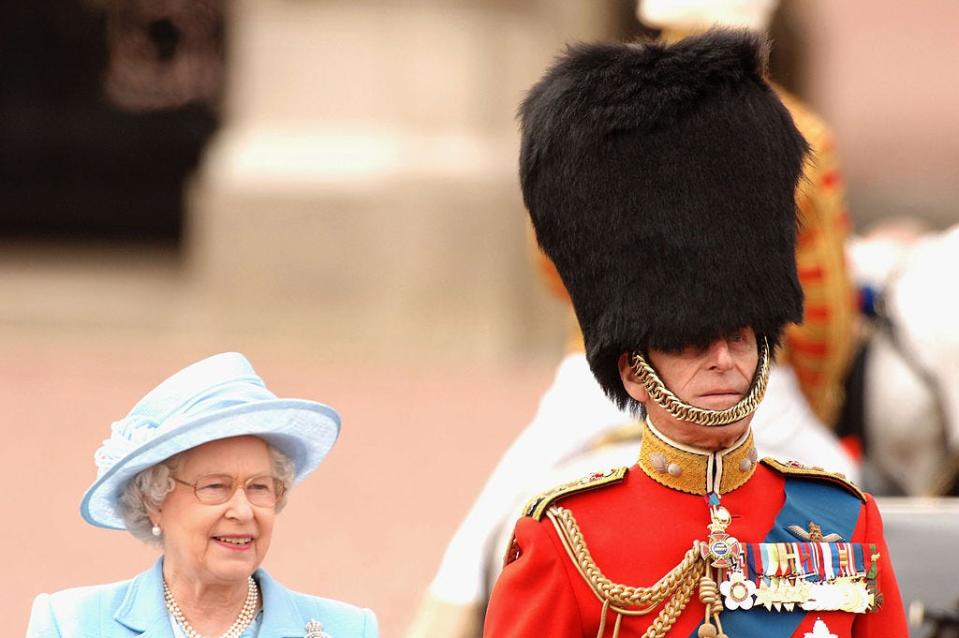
(201,466)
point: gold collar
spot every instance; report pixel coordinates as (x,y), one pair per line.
(689,469)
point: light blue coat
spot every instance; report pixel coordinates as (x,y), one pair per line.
(135,608)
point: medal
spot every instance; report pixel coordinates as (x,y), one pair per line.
(777,593)
(787,594)
(812,576)
(721,548)
(764,595)
(855,597)
(737,591)
(833,596)
(814,598)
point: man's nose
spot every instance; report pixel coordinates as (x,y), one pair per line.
(719,355)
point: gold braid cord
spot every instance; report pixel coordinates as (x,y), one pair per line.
(683,411)
(678,584)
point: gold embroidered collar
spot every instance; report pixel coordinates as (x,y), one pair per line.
(693,470)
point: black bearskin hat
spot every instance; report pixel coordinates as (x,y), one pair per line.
(660,179)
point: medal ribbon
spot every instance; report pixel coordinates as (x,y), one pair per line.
(783,550)
(816,559)
(849,559)
(873,566)
(754,561)
(773,569)
(828,572)
(800,561)
(816,562)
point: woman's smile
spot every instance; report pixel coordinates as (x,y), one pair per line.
(234,543)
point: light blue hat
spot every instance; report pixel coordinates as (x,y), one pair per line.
(216,398)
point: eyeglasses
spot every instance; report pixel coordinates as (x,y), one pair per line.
(215,489)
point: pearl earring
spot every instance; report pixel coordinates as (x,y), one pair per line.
(156,530)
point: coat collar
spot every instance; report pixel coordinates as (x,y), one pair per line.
(693,470)
(144,611)
(280,614)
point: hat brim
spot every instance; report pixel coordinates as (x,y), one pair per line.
(304,431)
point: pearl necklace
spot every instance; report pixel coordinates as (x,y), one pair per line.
(247,613)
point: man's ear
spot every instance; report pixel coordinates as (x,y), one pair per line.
(631,383)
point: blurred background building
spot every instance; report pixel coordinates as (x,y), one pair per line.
(330,186)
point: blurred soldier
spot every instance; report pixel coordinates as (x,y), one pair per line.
(683,281)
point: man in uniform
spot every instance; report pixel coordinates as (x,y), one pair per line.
(575,421)
(686,164)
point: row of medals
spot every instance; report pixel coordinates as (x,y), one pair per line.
(850,594)
(782,593)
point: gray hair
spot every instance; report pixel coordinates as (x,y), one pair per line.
(146,491)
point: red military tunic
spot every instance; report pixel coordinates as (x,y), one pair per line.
(637,525)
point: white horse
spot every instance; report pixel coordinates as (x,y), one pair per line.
(911,370)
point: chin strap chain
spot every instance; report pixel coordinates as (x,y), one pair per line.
(683,411)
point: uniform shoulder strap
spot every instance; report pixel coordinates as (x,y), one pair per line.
(537,506)
(793,468)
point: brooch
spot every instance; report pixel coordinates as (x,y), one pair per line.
(314,629)
(814,535)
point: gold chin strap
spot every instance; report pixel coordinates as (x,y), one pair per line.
(683,411)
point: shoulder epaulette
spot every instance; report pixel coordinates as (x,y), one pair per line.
(792,468)
(536,506)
